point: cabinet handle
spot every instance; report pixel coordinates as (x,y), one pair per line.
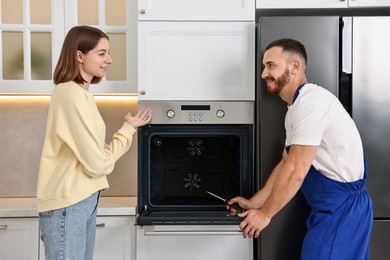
(150,231)
(101,225)
(193,233)
(3,227)
(142,92)
(142,11)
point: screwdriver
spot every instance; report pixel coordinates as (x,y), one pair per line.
(234,206)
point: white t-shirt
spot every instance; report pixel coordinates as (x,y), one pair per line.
(318,118)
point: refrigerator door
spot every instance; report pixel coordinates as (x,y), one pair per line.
(282,239)
(370,104)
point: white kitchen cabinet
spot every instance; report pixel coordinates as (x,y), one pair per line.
(215,10)
(32,33)
(115,238)
(196,61)
(368,3)
(19,238)
(192,242)
(282,4)
(288,4)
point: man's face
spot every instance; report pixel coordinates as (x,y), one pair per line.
(276,72)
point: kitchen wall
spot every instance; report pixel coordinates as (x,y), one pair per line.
(22,129)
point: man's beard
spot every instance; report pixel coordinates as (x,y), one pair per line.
(280,83)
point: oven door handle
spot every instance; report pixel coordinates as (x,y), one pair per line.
(150,231)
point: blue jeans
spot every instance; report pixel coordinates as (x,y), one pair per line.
(69,233)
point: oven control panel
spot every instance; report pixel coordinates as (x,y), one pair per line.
(193,112)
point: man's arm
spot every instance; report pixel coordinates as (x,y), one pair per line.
(260,197)
(282,187)
(257,200)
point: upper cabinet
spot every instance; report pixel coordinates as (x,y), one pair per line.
(199,10)
(368,3)
(282,4)
(196,50)
(275,4)
(32,33)
(118,19)
(196,60)
(286,4)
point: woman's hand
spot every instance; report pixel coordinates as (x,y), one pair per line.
(141,118)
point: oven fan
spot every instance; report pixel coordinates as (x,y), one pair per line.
(195,147)
(192,181)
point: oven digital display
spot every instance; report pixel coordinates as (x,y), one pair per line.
(195,107)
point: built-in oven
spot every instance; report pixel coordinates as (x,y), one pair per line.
(191,148)
(187,150)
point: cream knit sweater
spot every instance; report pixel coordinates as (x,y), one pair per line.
(74,163)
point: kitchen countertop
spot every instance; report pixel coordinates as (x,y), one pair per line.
(108,206)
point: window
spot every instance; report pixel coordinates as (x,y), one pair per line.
(32,33)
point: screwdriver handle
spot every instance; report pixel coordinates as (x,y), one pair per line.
(236,207)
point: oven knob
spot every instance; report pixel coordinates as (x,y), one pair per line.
(170,113)
(220,113)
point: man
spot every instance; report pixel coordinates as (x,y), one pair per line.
(323,156)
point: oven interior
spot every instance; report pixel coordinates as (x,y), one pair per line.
(179,163)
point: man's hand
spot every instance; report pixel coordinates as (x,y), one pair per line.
(255,221)
(242,202)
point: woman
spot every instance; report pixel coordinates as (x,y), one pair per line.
(75,158)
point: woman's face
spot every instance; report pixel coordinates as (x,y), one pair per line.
(96,62)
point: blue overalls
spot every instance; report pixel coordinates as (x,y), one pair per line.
(341,217)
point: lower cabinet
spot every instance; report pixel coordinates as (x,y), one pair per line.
(115,238)
(19,238)
(192,243)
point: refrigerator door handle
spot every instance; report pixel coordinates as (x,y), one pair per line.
(347,45)
(345,81)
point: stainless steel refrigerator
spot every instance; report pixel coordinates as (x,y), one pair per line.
(371,112)
(349,57)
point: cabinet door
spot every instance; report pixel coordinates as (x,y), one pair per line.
(228,10)
(19,238)
(192,243)
(115,238)
(368,3)
(196,61)
(275,4)
(371,99)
